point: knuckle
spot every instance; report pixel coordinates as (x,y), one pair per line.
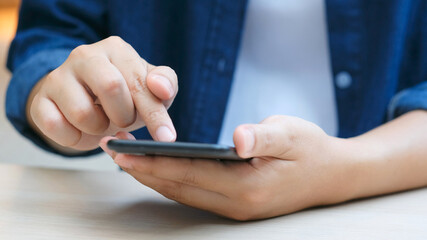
(50,124)
(81,51)
(112,86)
(81,114)
(138,85)
(116,41)
(114,38)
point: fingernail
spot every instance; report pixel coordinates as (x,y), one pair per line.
(164,134)
(130,136)
(249,140)
(165,82)
(125,135)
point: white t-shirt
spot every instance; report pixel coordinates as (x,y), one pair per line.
(283,67)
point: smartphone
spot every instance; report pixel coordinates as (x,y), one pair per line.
(175,149)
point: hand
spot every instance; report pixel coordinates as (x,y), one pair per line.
(295,166)
(99,90)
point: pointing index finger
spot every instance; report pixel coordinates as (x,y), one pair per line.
(153,112)
(134,69)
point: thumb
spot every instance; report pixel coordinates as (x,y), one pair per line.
(271,138)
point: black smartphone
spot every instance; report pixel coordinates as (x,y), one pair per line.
(175,149)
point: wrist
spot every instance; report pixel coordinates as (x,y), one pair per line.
(387,159)
(348,169)
(359,167)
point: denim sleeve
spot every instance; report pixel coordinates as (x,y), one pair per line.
(407,100)
(413,95)
(47,32)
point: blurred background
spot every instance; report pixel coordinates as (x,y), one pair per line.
(14,148)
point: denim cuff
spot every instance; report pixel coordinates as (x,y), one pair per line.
(407,100)
(23,80)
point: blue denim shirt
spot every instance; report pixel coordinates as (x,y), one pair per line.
(378,52)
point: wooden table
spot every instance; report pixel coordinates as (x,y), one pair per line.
(60,204)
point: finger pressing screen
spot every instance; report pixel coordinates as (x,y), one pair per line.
(151,109)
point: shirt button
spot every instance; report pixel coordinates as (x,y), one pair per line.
(343,80)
